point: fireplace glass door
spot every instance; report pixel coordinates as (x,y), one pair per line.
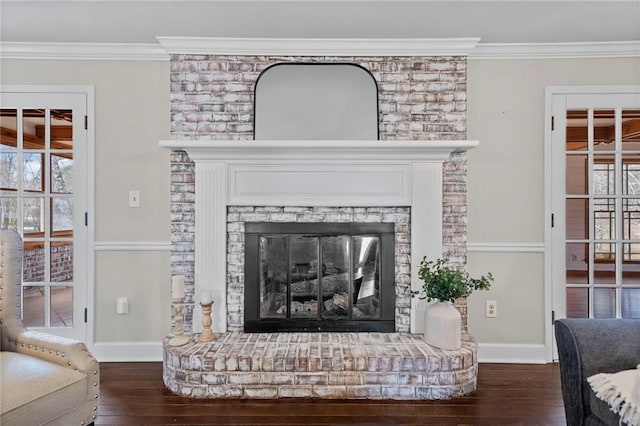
(320,280)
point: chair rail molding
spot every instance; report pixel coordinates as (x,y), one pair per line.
(503,247)
(132,246)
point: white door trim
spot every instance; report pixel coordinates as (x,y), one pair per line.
(550,93)
(88,91)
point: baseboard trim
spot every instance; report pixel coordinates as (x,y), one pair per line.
(127,351)
(512,353)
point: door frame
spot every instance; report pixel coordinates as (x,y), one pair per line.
(89,93)
(551,93)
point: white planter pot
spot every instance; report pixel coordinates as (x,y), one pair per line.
(443,327)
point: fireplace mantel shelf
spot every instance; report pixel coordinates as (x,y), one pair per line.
(333,150)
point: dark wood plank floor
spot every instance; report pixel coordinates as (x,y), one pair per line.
(508,394)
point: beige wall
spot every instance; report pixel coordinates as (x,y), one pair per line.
(505,112)
(506,182)
(131,115)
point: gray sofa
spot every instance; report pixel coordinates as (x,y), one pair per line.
(591,346)
(45,379)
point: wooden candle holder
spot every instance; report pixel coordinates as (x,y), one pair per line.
(206,335)
(179,338)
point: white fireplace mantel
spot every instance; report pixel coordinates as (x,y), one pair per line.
(333,150)
(312,173)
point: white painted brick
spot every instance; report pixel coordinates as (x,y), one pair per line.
(411,83)
(261,392)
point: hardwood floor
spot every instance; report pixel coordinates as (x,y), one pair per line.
(508,394)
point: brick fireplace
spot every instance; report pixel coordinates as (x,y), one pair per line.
(418,173)
(420,98)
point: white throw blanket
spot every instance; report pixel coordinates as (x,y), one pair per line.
(621,391)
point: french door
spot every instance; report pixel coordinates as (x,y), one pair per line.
(43,195)
(594,185)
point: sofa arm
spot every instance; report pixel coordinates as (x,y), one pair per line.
(590,346)
(66,352)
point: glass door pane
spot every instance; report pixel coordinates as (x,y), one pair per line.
(366,277)
(602,212)
(304,276)
(273,276)
(335,277)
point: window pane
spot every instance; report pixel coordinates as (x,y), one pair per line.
(33,261)
(576,179)
(61,129)
(577,219)
(32,172)
(33,123)
(631,178)
(604,302)
(33,214)
(577,262)
(8,128)
(631,303)
(604,130)
(33,306)
(631,218)
(9,213)
(604,218)
(577,130)
(62,174)
(62,261)
(62,214)
(61,309)
(577,302)
(8,171)
(603,175)
(631,270)
(631,130)
(604,271)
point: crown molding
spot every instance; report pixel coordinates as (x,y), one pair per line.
(84,51)
(617,49)
(319,46)
(316,47)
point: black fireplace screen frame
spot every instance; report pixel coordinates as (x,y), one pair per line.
(253,323)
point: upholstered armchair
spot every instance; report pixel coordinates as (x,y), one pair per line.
(45,379)
(591,346)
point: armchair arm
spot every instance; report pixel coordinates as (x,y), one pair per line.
(590,346)
(66,352)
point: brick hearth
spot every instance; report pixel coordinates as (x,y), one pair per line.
(320,365)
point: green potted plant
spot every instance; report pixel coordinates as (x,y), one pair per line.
(444,285)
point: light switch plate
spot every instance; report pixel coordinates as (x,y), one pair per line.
(122,305)
(134,198)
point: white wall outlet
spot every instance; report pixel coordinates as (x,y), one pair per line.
(134,198)
(122,306)
(491,309)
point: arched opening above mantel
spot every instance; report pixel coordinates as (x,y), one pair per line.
(316,101)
